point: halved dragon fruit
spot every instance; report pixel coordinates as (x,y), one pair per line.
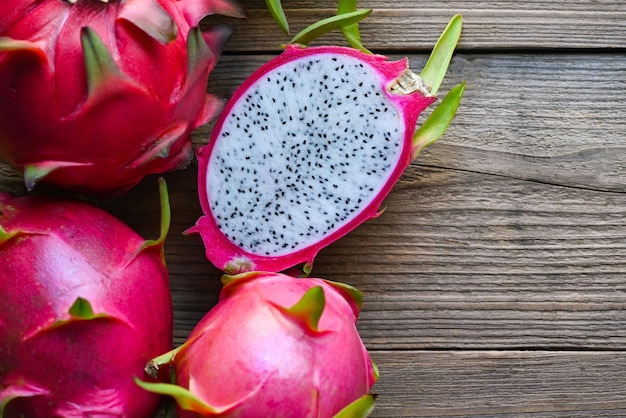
(97,94)
(273,346)
(85,304)
(309,146)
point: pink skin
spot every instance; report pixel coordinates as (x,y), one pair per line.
(245,368)
(104,138)
(228,256)
(52,252)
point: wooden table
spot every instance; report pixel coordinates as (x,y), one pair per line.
(495,282)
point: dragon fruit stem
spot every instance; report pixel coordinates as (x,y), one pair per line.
(166,217)
(408,83)
(153,366)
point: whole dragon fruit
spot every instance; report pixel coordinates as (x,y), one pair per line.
(96,94)
(273,346)
(85,304)
(309,146)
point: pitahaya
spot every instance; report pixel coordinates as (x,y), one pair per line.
(96,94)
(309,146)
(85,304)
(273,346)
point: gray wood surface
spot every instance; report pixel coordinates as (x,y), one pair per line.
(416,24)
(495,281)
(502,383)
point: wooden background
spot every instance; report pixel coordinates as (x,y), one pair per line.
(495,282)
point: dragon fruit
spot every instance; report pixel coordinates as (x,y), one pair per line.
(85,304)
(273,346)
(96,94)
(309,146)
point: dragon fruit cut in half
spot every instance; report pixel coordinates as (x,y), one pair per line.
(309,146)
(273,346)
(85,304)
(97,94)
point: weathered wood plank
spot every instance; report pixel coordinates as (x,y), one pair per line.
(496,383)
(416,25)
(466,260)
(555,118)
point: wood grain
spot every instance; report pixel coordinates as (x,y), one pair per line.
(416,25)
(496,383)
(467,260)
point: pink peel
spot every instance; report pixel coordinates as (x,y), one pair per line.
(78,86)
(299,338)
(95,305)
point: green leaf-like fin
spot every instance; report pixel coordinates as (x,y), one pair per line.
(166,217)
(198,56)
(231,279)
(360,408)
(196,10)
(7,236)
(23,390)
(437,123)
(150,17)
(351,32)
(376,370)
(435,69)
(307,268)
(311,32)
(34,172)
(81,309)
(190,402)
(104,78)
(99,64)
(185,399)
(8,44)
(309,308)
(354,293)
(278,14)
(162,145)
